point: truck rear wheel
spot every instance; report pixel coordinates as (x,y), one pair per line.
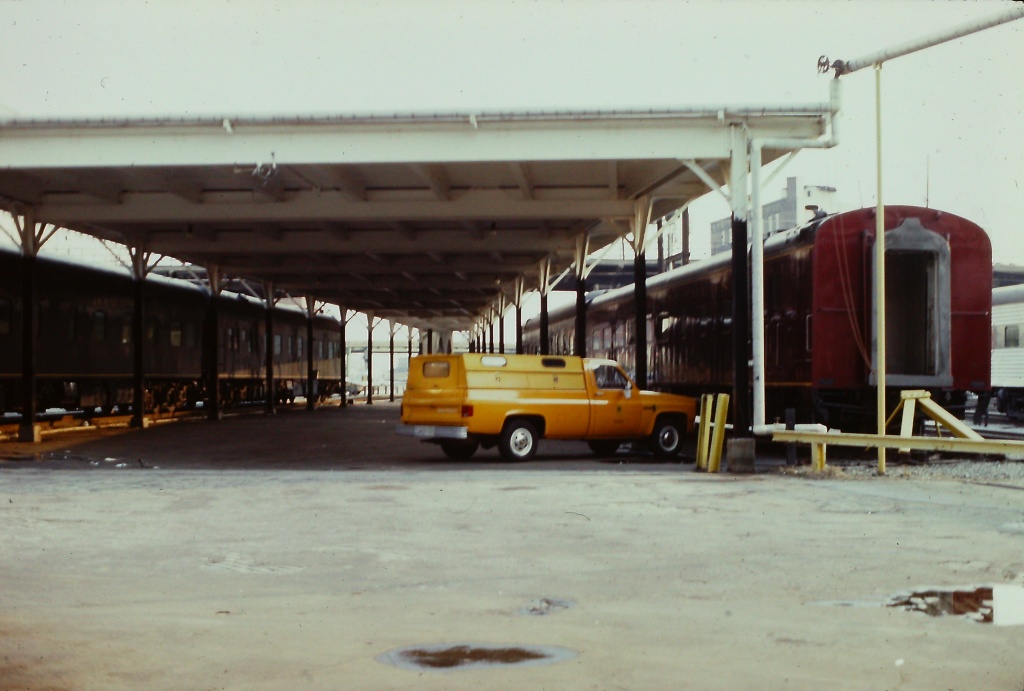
(518,441)
(459,449)
(667,438)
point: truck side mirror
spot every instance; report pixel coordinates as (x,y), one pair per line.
(628,390)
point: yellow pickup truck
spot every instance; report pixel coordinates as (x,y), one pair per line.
(465,401)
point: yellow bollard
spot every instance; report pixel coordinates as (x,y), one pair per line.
(704,431)
(718,437)
(818,457)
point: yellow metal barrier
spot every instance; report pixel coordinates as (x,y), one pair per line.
(718,436)
(894,441)
(704,431)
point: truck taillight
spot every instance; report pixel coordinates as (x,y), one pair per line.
(467,411)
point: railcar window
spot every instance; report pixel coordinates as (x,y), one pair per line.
(99,326)
(126,330)
(175,334)
(291,345)
(277,344)
(190,336)
(231,339)
(436,369)
(151,333)
(72,326)
(1012,338)
(301,346)
(5,317)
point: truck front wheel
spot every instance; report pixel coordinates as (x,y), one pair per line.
(667,438)
(518,441)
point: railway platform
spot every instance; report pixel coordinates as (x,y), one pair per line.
(303,550)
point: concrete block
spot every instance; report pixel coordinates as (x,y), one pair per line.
(739,455)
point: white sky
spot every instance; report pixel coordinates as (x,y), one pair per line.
(951,115)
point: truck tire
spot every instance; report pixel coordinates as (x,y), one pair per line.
(604,447)
(518,440)
(459,449)
(667,439)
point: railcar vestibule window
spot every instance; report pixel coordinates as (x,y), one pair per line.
(99,326)
(1011,338)
(175,334)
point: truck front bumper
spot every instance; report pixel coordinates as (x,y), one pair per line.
(433,431)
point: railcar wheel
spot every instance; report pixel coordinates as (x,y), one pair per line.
(667,438)
(518,441)
(604,447)
(459,449)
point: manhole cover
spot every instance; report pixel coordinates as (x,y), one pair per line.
(1002,605)
(474,656)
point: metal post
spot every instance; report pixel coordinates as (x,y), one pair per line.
(139,334)
(519,329)
(880,343)
(740,285)
(344,357)
(28,430)
(391,359)
(310,364)
(213,345)
(640,320)
(369,358)
(740,329)
(545,340)
(269,386)
(501,329)
(490,336)
(430,341)
(581,316)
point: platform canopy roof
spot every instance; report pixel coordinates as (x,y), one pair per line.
(425,219)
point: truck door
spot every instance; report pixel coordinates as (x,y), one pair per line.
(615,405)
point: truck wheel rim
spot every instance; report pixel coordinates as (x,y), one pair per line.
(521,442)
(668,438)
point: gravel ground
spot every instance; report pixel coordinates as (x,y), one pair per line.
(998,471)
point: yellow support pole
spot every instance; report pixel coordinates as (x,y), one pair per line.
(818,456)
(718,438)
(907,426)
(704,431)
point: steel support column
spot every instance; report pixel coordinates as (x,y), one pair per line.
(501,324)
(343,347)
(543,285)
(740,285)
(641,219)
(212,350)
(392,328)
(430,341)
(269,386)
(140,259)
(310,365)
(580,340)
(28,431)
(580,266)
(369,358)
